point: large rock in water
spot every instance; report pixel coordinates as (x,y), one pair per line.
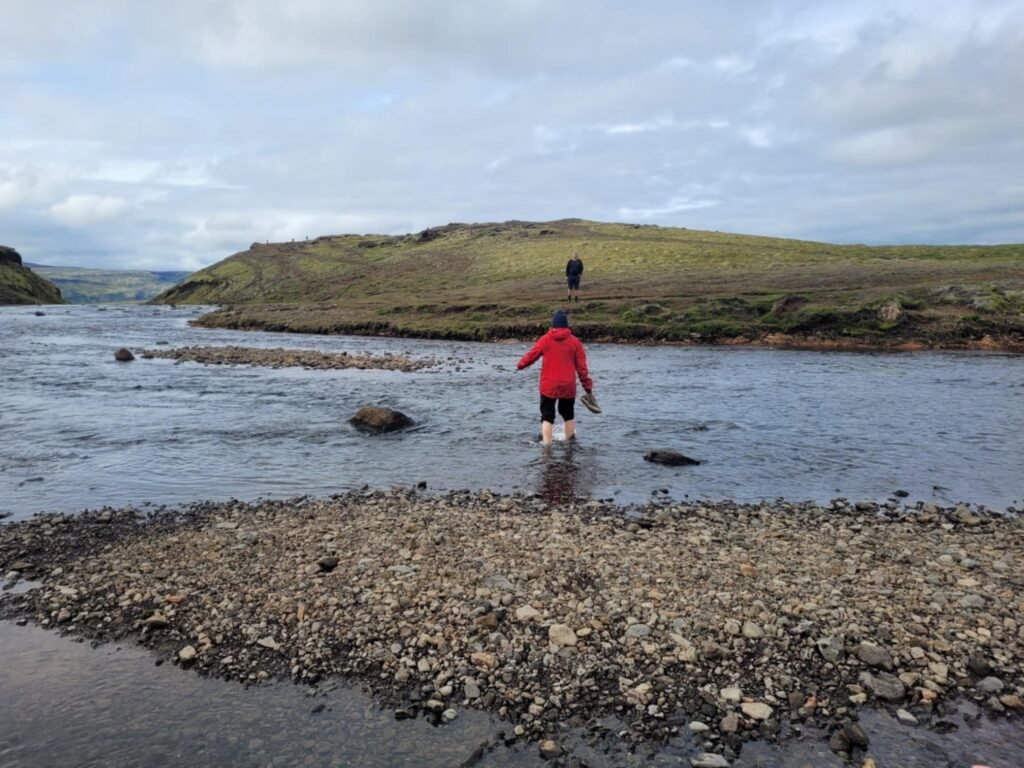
(669,458)
(124,355)
(373,418)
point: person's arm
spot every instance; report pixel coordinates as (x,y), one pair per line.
(581,267)
(568,266)
(581,368)
(531,357)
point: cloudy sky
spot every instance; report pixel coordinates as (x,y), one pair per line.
(170,135)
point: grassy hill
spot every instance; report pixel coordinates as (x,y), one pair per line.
(20,285)
(486,281)
(91,286)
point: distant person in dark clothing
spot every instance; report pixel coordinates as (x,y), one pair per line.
(573,273)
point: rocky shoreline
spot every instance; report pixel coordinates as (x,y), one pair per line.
(286,358)
(732,622)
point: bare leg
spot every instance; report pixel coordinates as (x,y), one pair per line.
(570,429)
(545,432)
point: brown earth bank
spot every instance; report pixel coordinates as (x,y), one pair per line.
(947,333)
(285,358)
(737,622)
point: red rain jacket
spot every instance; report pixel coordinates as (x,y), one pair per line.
(563,359)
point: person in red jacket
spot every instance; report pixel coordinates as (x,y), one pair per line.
(564,359)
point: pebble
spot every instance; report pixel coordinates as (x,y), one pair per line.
(756,710)
(709,760)
(875,656)
(731,695)
(990,685)
(561,635)
(752,631)
(549,750)
(527,613)
(831,648)
(905,717)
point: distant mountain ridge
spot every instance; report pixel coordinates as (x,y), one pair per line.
(85,285)
(20,285)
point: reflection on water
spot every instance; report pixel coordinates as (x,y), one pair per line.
(563,474)
(64,703)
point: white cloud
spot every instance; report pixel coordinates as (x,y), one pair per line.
(85,210)
(658,124)
(21,186)
(759,136)
(732,65)
(123,171)
(675,205)
(249,120)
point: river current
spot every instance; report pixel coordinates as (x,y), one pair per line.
(80,430)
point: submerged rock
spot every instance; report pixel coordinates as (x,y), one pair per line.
(373,418)
(669,458)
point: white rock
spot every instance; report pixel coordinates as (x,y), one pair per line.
(527,613)
(752,631)
(905,717)
(709,760)
(756,710)
(732,694)
(561,635)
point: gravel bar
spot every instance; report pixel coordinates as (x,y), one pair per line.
(732,621)
(286,358)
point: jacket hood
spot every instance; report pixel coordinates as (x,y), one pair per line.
(560,334)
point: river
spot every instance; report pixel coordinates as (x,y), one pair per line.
(79,430)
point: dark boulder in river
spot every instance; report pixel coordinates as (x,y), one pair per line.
(669,458)
(373,418)
(123,355)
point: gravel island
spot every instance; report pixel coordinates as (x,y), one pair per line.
(286,358)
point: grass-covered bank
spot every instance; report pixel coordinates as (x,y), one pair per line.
(492,281)
(20,285)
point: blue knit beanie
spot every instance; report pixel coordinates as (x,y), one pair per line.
(560,320)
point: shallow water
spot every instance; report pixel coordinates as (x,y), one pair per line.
(64,703)
(78,429)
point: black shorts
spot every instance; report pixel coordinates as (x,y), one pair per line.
(566,408)
(574,282)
